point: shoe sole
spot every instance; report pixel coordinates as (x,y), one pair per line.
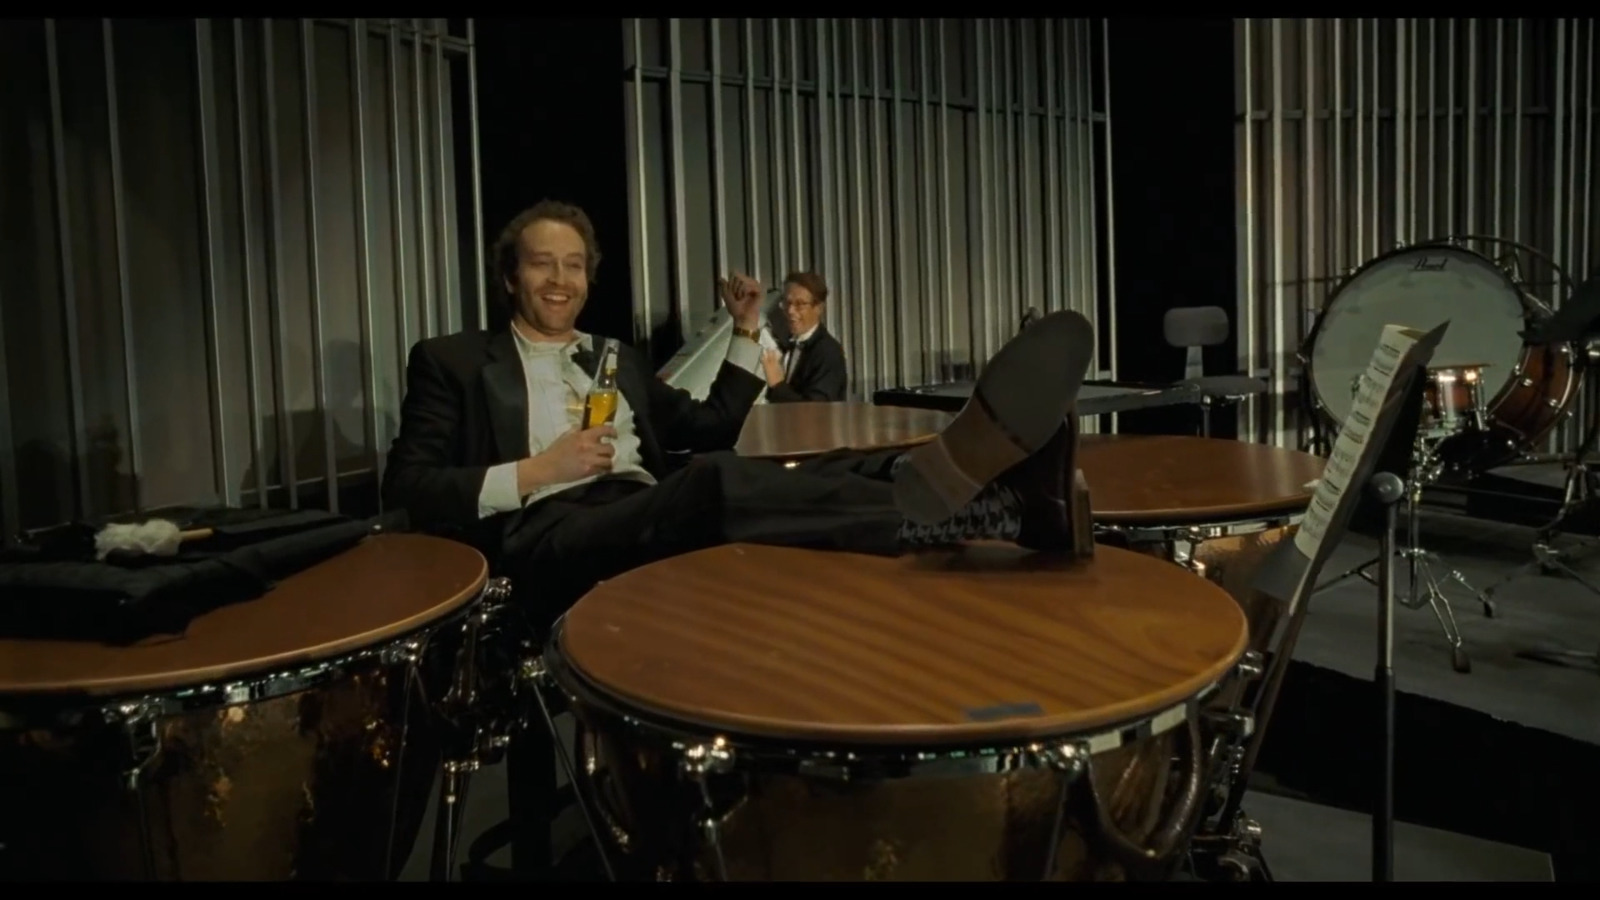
(1019,402)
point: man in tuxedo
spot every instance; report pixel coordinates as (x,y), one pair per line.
(809,366)
(490,452)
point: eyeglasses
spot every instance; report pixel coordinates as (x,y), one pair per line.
(797,304)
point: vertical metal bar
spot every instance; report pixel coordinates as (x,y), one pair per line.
(205,96)
(1001,314)
(782,258)
(1402,113)
(477,174)
(430,315)
(1376,201)
(119,224)
(1558,116)
(1111,229)
(644,313)
(1433,127)
(752,213)
(449,288)
(1411,136)
(402,312)
(824,210)
(1079,156)
(1471,182)
(719,188)
(1337,203)
(1450,223)
(980,261)
(319,356)
(1027,71)
(933,298)
(278,320)
(1571,187)
(863,249)
(1516,141)
(880,368)
(1008,206)
(944,196)
(258,453)
(1498,175)
(798,156)
(841,199)
(1279,382)
(1249,349)
(677,182)
(1052,177)
(369,331)
(898,209)
(69,279)
(1315,233)
(1589,104)
(1359,211)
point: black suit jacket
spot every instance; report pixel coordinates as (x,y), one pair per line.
(819,375)
(466,409)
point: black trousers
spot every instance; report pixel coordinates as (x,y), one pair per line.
(567,542)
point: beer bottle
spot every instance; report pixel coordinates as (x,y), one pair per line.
(600,407)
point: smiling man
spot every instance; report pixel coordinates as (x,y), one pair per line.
(490,449)
(809,366)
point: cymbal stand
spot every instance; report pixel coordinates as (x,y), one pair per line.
(1582,489)
(1420,562)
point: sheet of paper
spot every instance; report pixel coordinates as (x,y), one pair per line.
(1347,450)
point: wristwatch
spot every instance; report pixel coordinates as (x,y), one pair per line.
(747,333)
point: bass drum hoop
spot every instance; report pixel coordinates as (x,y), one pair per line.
(837,759)
(1533,309)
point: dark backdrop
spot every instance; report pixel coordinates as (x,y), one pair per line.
(1173,197)
(550,112)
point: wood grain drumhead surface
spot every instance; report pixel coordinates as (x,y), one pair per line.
(1174,478)
(982,643)
(384,587)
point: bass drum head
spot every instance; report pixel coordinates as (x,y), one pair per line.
(1421,288)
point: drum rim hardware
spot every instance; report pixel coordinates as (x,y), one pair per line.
(709,751)
(1180,540)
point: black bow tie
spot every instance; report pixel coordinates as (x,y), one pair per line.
(792,345)
(584,358)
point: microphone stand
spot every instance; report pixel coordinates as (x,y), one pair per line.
(1386,489)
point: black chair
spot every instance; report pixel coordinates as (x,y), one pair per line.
(1192,328)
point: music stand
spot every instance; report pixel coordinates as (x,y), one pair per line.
(1290,571)
(1577,321)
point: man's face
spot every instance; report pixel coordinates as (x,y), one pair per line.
(552,278)
(801,309)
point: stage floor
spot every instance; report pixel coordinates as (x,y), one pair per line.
(1495,770)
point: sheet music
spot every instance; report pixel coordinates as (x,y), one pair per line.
(1370,394)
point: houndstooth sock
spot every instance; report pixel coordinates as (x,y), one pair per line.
(996,514)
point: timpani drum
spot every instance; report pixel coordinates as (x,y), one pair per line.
(1216,506)
(289,737)
(978,714)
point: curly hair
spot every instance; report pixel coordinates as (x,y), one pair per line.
(503,260)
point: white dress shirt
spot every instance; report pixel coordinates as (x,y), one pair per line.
(793,355)
(556,387)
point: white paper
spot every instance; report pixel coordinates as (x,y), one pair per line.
(1352,442)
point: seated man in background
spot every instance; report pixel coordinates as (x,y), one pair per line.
(490,450)
(809,366)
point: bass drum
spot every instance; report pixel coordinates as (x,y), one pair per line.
(1530,388)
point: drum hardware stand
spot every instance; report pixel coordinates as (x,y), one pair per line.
(1387,489)
(1230,850)
(1420,562)
(144,743)
(699,763)
(478,738)
(537,676)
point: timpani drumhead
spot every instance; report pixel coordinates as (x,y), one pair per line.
(1167,479)
(385,587)
(983,643)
